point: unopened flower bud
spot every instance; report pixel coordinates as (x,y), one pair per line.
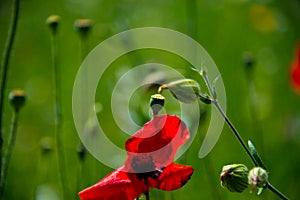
(257,178)
(157,102)
(17,99)
(83,26)
(81,151)
(249,61)
(185,90)
(53,21)
(234,177)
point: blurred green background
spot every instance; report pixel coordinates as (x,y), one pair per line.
(269,29)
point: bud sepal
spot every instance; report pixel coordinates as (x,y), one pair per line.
(234,177)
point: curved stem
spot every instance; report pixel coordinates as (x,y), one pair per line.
(4,68)
(10,147)
(234,130)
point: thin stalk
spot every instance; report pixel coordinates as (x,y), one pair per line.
(234,130)
(147,195)
(4,68)
(83,46)
(269,186)
(10,147)
(58,117)
(276,191)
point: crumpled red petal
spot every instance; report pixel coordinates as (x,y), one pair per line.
(173,177)
(118,185)
(159,139)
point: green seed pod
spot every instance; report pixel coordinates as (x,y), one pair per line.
(83,26)
(257,178)
(185,90)
(17,99)
(157,102)
(53,21)
(234,177)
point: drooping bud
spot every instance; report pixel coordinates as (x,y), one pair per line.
(53,21)
(185,90)
(257,178)
(17,99)
(157,102)
(83,26)
(234,177)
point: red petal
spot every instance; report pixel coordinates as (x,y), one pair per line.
(159,139)
(118,185)
(295,78)
(173,177)
(295,71)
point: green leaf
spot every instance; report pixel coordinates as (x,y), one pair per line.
(254,153)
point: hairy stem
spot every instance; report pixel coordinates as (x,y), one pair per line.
(234,130)
(4,69)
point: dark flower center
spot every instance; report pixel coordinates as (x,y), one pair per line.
(144,167)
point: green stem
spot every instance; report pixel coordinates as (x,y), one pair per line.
(276,191)
(234,130)
(83,46)
(147,195)
(10,147)
(4,68)
(58,117)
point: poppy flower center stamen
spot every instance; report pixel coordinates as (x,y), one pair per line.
(157,172)
(143,165)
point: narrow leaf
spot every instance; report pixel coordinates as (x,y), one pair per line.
(254,153)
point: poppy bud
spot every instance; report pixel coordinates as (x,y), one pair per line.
(17,99)
(257,178)
(185,90)
(157,102)
(83,26)
(81,151)
(53,21)
(234,177)
(249,61)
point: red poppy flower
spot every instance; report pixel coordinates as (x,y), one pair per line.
(150,163)
(295,72)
